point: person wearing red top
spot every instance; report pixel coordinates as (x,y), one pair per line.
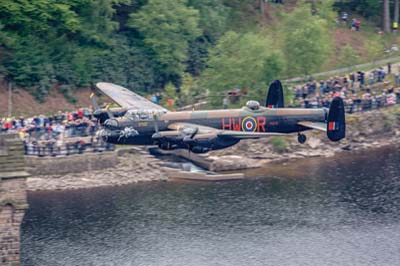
(70,116)
(80,113)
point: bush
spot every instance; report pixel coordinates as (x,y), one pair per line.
(67,91)
(279,144)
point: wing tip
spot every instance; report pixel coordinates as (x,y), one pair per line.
(101,85)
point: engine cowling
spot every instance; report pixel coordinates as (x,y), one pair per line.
(196,144)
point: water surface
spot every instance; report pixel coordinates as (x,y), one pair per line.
(342,211)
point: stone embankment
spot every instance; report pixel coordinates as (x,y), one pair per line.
(131,166)
(13,200)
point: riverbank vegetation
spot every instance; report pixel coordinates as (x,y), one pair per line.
(181,45)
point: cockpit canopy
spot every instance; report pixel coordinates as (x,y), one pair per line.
(253,105)
(143,115)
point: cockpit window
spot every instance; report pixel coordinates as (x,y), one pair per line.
(141,115)
(253,105)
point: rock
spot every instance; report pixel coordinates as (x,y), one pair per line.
(314,143)
(347,147)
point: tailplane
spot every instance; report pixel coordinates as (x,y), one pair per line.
(336,127)
(275,95)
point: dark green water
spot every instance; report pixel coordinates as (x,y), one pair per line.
(318,212)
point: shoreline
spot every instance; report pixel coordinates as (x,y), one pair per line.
(365,132)
(152,171)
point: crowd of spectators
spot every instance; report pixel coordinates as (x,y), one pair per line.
(66,133)
(360,91)
(60,134)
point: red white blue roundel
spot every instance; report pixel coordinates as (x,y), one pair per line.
(249,124)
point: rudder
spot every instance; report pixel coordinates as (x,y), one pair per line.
(336,127)
(275,95)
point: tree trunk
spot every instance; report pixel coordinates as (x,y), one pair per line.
(386,16)
(396,11)
(262,7)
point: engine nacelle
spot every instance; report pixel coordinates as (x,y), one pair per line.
(196,145)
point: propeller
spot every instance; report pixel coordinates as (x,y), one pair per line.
(94,102)
(156,136)
(189,138)
(109,113)
(155,118)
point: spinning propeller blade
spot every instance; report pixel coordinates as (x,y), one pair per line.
(110,114)
(155,117)
(94,102)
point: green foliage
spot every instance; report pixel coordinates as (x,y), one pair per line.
(324,9)
(214,16)
(244,61)
(30,62)
(279,144)
(72,43)
(367,8)
(374,49)
(67,90)
(127,65)
(146,44)
(169,94)
(190,90)
(348,56)
(273,66)
(39,16)
(167,27)
(198,55)
(306,42)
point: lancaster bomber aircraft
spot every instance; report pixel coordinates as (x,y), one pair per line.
(141,122)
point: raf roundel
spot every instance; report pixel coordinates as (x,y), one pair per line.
(249,124)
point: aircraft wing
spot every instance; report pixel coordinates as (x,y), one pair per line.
(248,135)
(203,132)
(128,99)
(313,125)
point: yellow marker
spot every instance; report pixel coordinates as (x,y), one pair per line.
(91,95)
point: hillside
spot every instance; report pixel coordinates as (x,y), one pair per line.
(24,104)
(148,46)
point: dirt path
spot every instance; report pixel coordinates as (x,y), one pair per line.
(382,62)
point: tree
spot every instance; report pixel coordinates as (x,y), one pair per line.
(189,89)
(396,11)
(167,27)
(72,43)
(213,17)
(245,61)
(37,17)
(386,16)
(170,97)
(262,7)
(197,55)
(306,42)
(324,9)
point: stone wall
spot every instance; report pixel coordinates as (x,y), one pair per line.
(71,164)
(13,200)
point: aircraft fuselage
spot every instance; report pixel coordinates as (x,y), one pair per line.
(282,120)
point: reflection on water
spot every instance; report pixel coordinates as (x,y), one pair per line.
(337,212)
